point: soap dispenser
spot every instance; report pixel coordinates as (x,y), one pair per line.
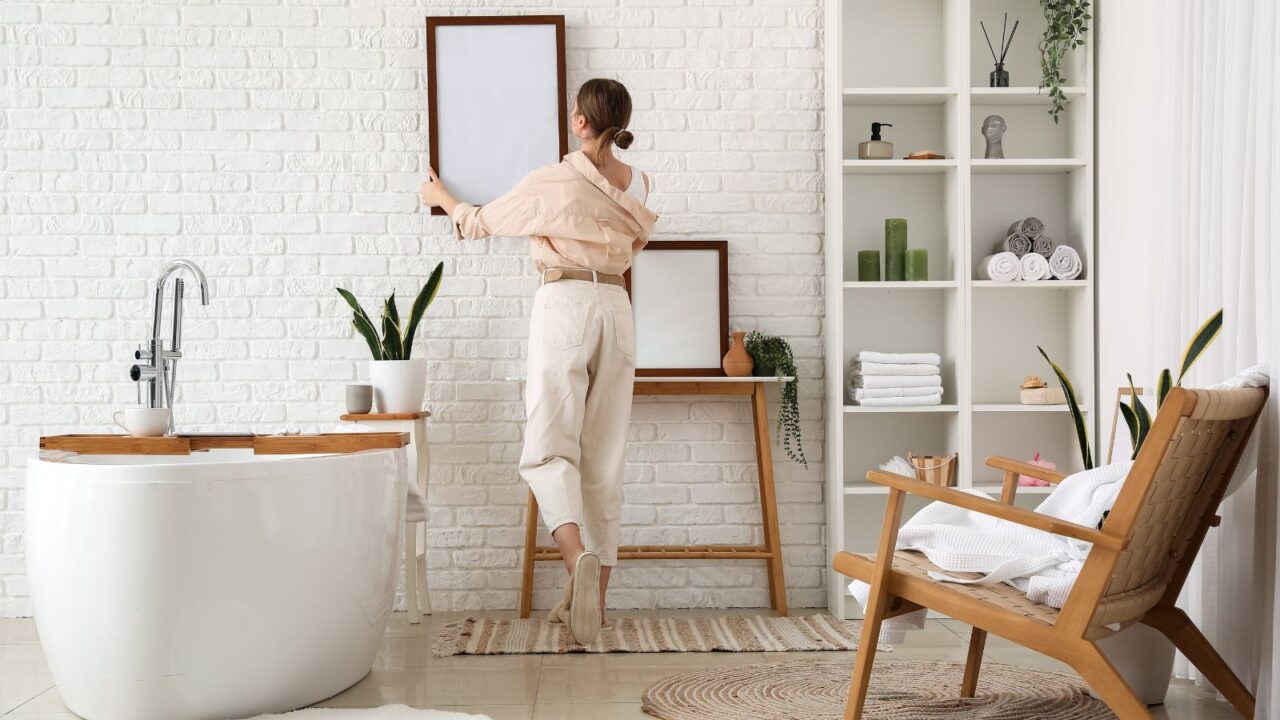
(875,148)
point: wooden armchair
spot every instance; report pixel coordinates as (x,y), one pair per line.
(1137,567)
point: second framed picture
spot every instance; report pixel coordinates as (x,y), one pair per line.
(680,297)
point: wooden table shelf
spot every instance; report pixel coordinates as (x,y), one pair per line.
(260,444)
(770,551)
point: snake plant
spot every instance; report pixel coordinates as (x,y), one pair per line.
(393,343)
(1136,416)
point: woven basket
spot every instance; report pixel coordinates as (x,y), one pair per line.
(935,469)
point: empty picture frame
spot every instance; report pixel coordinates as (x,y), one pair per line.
(496,100)
(680,299)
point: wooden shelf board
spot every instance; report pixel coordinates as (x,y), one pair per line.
(1037,166)
(714,379)
(1018,407)
(903,285)
(899,167)
(858,409)
(981,96)
(1023,285)
(898,95)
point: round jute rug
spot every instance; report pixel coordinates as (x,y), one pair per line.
(900,690)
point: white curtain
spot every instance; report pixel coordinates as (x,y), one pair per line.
(1216,222)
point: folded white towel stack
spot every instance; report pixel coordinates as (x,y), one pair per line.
(879,379)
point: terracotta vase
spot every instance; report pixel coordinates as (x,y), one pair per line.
(738,362)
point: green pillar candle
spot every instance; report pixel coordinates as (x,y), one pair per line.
(868,265)
(895,249)
(917,264)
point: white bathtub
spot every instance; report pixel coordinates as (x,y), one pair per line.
(215,585)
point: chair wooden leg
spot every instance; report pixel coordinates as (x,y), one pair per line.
(973,665)
(1184,634)
(866,657)
(1107,685)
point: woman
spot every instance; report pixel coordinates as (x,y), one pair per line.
(586,219)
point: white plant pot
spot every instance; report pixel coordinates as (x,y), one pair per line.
(398,385)
(1144,658)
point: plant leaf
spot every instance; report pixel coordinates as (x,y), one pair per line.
(1082,430)
(389,309)
(1141,414)
(391,348)
(1203,338)
(370,335)
(1163,385)
(420,304)
(1132,421)
(361,316)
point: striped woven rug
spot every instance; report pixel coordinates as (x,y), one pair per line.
(485,636)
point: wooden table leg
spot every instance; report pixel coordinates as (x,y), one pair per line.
(768,501)
(530,546)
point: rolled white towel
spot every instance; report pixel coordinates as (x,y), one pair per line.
(905,358)
(1016,243)
(1065,263)
(1043,245)
(1030,227)
(1034,267)
(1003,266)
(896,381)
(870,368)
(920,401)
(864,393)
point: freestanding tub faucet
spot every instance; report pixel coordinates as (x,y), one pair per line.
(157,367)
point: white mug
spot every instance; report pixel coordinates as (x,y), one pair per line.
(143,422)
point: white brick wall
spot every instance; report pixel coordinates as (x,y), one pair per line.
(280,145)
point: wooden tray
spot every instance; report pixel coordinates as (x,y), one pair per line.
(261,444)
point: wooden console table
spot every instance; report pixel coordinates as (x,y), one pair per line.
(771,551)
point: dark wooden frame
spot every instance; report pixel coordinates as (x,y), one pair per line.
(455,20)
(722,247)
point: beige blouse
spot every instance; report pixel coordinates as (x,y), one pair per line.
(572,215)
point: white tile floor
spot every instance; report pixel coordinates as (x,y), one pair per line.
(532,687)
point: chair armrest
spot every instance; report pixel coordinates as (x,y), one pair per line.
(995,509)
(1035,471)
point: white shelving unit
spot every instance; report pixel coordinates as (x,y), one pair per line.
(922,65)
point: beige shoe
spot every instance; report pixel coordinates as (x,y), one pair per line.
(583,617)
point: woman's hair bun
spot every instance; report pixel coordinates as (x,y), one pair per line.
(623,139)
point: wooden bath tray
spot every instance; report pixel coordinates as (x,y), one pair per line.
(261,444)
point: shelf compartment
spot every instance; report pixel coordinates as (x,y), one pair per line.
(895,321)
(1061,201)
(880,96)
(915,127)
(1020,436)
(871,441)
(983,96)
(1023,60)
(1061,323)
(1031,133)
(910,47)
(929,206)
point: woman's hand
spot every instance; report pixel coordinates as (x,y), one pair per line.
(435,194)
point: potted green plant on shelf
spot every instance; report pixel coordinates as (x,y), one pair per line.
(399,380)
(772,356)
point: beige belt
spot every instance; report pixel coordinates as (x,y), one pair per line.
(554,274)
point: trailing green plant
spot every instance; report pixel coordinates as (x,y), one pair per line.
(1066,25)
(1136,415)
(396,339)
(774,352)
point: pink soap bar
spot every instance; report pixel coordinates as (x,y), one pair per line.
(1026,481)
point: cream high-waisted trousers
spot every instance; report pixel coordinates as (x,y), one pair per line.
(578,402)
